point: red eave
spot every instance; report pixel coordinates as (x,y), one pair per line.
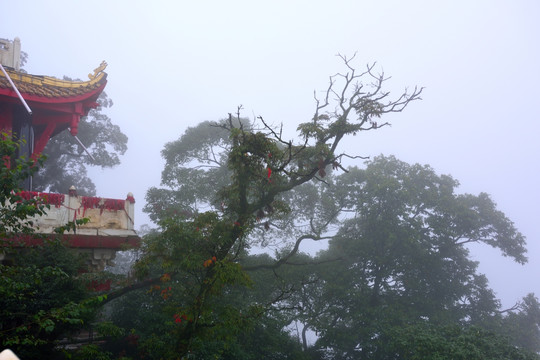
(76,241)
(104,242)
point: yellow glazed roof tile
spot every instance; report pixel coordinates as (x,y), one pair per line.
(50,87)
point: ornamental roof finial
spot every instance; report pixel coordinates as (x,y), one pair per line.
(98,70)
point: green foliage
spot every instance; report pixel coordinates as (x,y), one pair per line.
(199,155)
(16,212)
(41,295)
(522,324)
(196,276)
(423,341)
(400,259)
(41,299)
(91,352)
(107,328)
(396,281)
(264,340)
(71,226)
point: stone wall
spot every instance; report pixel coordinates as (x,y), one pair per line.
(110,227)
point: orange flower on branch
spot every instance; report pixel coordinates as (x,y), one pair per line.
(208,262)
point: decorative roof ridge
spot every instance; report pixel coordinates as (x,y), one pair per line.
(40,80)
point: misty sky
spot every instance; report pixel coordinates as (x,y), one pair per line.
(174,64)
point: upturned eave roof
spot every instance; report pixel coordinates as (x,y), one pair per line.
(47,89)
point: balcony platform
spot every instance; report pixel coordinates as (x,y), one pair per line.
(110,227)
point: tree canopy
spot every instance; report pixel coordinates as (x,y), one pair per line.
(220,188)
(399,259)
(398,236)
(223,275)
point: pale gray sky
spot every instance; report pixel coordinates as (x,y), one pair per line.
(173,64)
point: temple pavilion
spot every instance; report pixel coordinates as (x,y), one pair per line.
(36,108)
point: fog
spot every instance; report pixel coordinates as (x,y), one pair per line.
(175,64)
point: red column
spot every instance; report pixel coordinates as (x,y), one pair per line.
(6,117)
